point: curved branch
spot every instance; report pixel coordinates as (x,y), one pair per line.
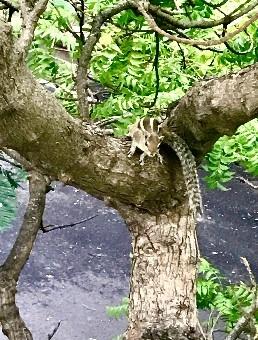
(216,107)
(157,11)
(12,324)
(30,226)
(183,35)
(210,42)
(83,157)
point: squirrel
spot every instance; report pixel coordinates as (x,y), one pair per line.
(147,134)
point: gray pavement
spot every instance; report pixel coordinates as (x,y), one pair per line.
(74,273)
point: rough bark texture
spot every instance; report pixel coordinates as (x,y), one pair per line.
(216,107)
(151,198)
(164,260)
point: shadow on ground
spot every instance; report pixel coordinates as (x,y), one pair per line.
(74,273)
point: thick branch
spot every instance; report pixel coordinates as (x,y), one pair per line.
(216,107)
(12,324)
(30,227)
(83,157)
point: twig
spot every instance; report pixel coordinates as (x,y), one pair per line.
(217,6)
(156,69)
(242,179)
(230,48)
(250,273)
(65,26)
(214,323)
(181,34)
(242,5)
(107,121)
(63,226)
(81,17)
(51,335)
(183,56)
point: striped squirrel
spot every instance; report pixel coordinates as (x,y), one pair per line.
(147,134)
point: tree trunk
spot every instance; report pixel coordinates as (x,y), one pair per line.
(163,279)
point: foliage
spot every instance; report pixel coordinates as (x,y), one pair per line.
(215,293)
(241,148)
(9,182)
(118,311)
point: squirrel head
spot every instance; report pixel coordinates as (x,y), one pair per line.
(153,141)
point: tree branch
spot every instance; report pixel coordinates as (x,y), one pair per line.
(215,6)
(207,112)
(12,324)
(18,158)
(3,159)
(30,17)
(86,158)
(30,226)
(209,42)
(156,69)
(84,61)
(229,18)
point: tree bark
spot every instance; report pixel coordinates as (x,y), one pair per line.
(13,325)
(163,278)
(152,198)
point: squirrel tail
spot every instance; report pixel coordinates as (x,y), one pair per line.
(189,170)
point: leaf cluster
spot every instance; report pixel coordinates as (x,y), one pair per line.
(119,311)
(9,182)
(215,293)
(241,148)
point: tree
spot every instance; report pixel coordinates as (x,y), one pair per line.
(51,145)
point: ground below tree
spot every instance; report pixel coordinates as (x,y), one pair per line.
(74,273)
